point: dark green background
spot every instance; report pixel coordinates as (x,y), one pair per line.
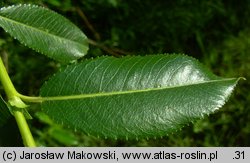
(216,32)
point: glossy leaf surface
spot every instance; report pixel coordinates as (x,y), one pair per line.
(44,31)
(134,97)
(4,112)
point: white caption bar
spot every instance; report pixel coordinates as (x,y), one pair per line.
(126,154)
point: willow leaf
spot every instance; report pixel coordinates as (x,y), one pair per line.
(134,97)
(4,112)
(45,31)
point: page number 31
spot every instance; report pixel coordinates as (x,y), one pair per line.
(239,155)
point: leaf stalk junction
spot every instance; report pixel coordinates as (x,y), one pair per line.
(17,106)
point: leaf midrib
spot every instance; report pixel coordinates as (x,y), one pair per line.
(38,29)
(83,96)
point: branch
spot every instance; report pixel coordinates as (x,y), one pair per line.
(18,104)
(88,24)
(5,59)
(113,51)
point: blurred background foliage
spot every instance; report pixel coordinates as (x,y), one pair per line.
(217,32)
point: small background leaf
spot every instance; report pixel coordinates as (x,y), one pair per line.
(4,112)
(135,97)
(45,31)
(54,132)
(63,136)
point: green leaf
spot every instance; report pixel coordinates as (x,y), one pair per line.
(58,133)
(4,112)
(44,31)
(63,136)
(134,97)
